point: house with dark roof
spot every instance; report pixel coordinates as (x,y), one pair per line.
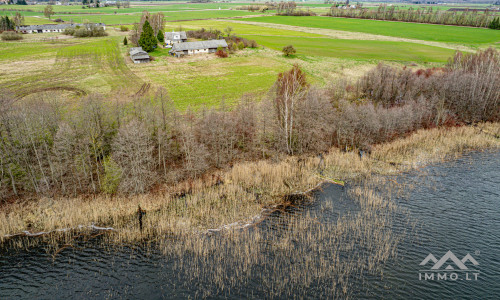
(189,48)
(175,37)
(138,55)
(53,27)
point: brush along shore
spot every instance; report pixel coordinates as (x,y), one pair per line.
(241,194)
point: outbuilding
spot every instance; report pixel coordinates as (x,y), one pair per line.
(138,55)
(190,48)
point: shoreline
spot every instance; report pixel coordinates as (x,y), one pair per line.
(249,190)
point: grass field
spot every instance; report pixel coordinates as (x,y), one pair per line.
(427,32)
(210,81)
(169,16)
(135,8)
(82,65)
(358,49)
(54,61)
(238,28)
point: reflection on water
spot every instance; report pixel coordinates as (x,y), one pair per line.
(454,205)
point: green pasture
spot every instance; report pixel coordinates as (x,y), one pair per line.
(238,28)
(209,82)
(133,9)
(427,32)
(88,65)
(111,19)
(358,49)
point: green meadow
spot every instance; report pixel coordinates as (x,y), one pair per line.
(358,49)
(238,28)
(56,62)
(169,16)
(427,32)
(210,82)
(86,65)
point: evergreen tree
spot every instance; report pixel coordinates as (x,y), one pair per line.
(495,23)
(6,24)
(147,40)
(125,42)
(160,36)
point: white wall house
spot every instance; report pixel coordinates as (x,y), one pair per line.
(175,37)
(190,48)
(53,27)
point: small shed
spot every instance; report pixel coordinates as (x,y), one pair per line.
(138,55)
(190,48)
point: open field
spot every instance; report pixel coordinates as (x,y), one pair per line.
(208,81)
(357,49)
(80,65)
(239,29)
(327,48)
(427,32)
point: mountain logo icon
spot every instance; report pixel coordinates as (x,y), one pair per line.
(449,256)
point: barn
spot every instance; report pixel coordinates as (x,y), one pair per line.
(138,55)
(189,48)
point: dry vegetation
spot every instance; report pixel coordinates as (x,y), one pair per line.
(196,171)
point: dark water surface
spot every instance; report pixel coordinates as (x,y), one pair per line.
(454,205)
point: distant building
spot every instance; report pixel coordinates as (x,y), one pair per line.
(175,37)
(53,27)
(189,48)
(138,55)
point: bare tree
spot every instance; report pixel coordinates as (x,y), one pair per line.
(290,88)
(133,152)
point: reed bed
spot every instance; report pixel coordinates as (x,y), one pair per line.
(244,191)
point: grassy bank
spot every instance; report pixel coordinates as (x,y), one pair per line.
(243,190)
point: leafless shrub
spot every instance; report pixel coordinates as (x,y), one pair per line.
(467,90)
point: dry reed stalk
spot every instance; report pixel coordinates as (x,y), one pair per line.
(246,189)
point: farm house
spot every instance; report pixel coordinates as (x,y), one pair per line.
(175,37)
(189,48)
(53,27)
(138,55)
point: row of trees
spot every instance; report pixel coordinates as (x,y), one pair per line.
(103,146)
(420,15)
(290,9)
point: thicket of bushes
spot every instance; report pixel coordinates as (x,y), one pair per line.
(129,148)
(234,42)
(11,36)
(86,31)
(420,15)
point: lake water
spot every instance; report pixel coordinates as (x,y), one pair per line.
(454,206)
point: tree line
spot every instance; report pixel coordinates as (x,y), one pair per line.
(51,148)
(420,15)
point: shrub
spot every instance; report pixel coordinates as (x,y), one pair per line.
(289,50)
(11,36)
(253,44)
(221,53)
(125,42)
(123,28)
(69,31)
(467,90)
(241,46)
